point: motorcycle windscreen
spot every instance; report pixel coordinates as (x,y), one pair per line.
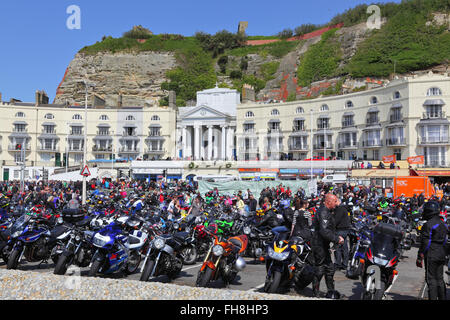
(384,245)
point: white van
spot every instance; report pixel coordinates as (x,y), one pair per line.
(335,178)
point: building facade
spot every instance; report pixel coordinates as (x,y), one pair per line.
(406,117)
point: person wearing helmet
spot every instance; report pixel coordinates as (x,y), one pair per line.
(433,250)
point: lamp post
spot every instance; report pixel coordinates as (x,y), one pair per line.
(83,199)
(311,146)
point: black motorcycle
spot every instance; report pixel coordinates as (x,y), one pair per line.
(381,261)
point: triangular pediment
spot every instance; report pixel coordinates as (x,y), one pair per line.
(202,112)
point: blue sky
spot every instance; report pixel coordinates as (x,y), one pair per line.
(36,46)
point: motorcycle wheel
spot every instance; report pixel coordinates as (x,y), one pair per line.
(133,263)
(273,283)
(189,255)
(147,270)
(95,267)
(13,260)
(379,293)
(61,265)
(204,277)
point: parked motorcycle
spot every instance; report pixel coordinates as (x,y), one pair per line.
(382,258)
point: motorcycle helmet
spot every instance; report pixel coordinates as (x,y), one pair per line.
(430,209)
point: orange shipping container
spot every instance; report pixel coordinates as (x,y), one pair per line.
(413,185)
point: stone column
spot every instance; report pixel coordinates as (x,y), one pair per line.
(183,142)
(230,143)
(201,144)
(210,142)
(197,142)
(224,139)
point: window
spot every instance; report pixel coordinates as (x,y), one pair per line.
(397,95)
(299,110)
(299,125)
(20,128)
(20,115)
(274,112)
(49,129)
(249,114)
(131,118)
(77,131)
(49,116)
(104,117)
(155,118)
(77,117)
(372,118)
(249,128)
(324,107)
(103,131)
(349,104)
(434,92)
(347,121)
(323,123)
(374,100)
(155,132)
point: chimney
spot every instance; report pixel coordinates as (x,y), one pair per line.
(41,97)
(248,93)
(172,99)
(119,101)
(0,97)
(37,98)
(98,101)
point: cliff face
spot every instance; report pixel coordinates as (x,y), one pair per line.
(137,77)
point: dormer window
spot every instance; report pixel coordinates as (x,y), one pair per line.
(77,117)
(249,114)
(274,112)
(104,117)
(374,100)
(349,104)
(397,95)
(49,116)
(324,107)
(20,115)
(155,118)
(434,92)
(130,118)
(300,110)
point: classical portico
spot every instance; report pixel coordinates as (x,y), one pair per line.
(207,131)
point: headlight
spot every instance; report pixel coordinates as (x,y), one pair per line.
(16,234)
(77,238)
(247,230)
(101,241)
(159,243)
(280,256)
(217,250)
(187,229)
(380,261)
(176,226)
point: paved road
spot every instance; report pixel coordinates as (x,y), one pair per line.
(408,286)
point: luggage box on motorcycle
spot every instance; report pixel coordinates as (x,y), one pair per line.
(389,229)
(72,215)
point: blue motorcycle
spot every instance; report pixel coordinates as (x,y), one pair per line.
(30,237)
(360,237)
(116,251)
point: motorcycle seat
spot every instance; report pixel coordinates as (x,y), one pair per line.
(133,240)
(181,235)
(83,222)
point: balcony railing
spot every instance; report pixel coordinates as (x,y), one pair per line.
(128,134)
(322,145)
(273,130)
(13,147)
(76,133)
(349,144)
(296,147)
(395,141)
(298,128)
(154,150)
(372,122)
(346,124)
(99,148)
(43,148)
(15,130)
(103,133)
(434,115)
(154,134)
(372,143)
(76,149)
(433,140)
(49,131)
(127,149)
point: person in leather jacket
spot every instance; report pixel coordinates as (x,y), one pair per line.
(433,249)
(324,234)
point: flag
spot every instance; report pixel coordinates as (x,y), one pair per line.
(416,160)
(389,159)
